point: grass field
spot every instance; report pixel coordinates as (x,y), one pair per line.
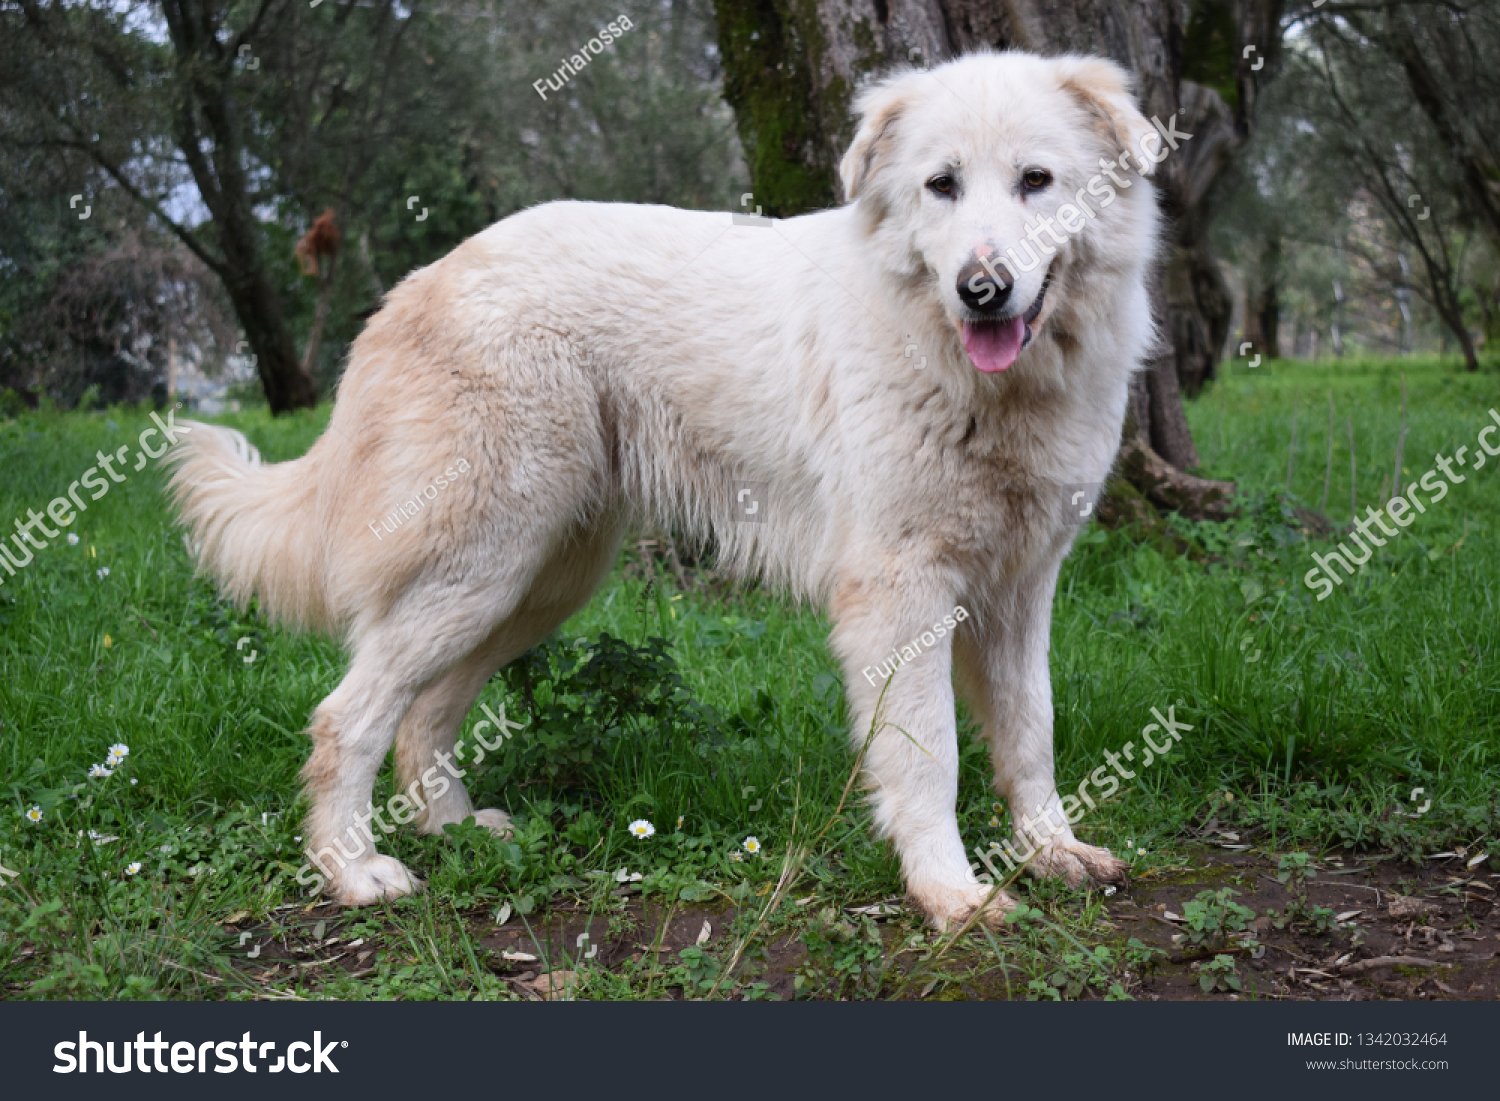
(1312,723)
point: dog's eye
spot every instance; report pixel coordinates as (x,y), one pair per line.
(942,184)
(1036,178)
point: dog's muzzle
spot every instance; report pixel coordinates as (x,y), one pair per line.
(993,345)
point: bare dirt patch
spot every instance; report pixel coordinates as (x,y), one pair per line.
(1404,932)
(565,937)
(1390,931)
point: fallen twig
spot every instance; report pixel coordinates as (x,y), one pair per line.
(1359,966)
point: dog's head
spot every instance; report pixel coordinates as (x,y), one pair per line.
(995,178)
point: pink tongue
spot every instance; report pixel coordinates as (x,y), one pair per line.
(993,346)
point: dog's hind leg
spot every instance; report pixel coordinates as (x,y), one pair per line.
(395,659)
(430,730)
(429,733)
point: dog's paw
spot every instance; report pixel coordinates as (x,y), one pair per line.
(948,907)
(1079,865)
(373,879)
(496,821)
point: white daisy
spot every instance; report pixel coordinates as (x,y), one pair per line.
(737,856)
(752,845)
(99,770)
(134,781)
(641,828)
(72,539)
(1140,852)
(35,814)
(102,572)
(994,821)
(119,749)
(133,867)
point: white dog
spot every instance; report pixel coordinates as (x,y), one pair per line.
(912,388)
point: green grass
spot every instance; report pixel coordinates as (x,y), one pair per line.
(1311,723)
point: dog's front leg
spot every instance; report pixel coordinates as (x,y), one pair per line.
(884,632)
(1003,674)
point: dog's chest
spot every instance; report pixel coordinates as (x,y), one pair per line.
(993,492)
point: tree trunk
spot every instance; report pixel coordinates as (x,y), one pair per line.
(1489,299)
(792,69)
(208,132)
(1451,312)
(255,303)
(1263,302)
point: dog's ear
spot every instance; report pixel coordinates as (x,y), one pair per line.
(1103,89)
(878,107)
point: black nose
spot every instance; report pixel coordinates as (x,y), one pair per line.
(981,291)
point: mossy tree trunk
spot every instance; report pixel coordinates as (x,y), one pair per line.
(792,67)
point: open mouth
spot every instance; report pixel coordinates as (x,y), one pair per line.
(994,345)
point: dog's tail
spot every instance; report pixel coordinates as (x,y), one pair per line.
(253,528)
